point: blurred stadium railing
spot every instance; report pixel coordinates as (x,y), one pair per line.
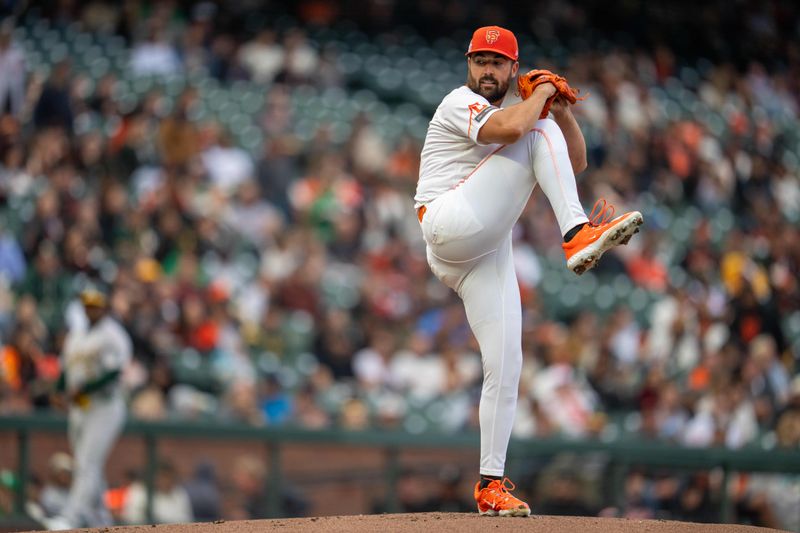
(617,456)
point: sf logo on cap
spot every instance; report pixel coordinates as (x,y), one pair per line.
(492,36)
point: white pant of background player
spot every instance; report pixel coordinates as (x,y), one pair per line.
(468,236)
(92,433)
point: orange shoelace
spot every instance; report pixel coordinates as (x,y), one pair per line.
(601,213)
(505,495)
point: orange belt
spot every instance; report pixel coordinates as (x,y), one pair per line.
(421,213)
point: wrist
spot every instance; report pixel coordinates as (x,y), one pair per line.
(546,90)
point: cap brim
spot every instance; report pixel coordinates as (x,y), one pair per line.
(93,300)
(500,52)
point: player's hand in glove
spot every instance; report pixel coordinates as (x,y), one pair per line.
(527,84)
(559,106)
(80,399)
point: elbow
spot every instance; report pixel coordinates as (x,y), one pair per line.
(501,132)
(578,160)
(513,134)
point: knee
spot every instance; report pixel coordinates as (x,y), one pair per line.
(546,138)
(506,390)
(505,382)
(549,129)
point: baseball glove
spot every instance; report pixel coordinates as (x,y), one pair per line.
(82,400)
(526,83)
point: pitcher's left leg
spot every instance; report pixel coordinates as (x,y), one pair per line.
(492,303)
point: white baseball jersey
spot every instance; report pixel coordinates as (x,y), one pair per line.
(474,194)
(452,150)
(89,352)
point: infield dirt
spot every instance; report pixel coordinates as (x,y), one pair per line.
(441,522)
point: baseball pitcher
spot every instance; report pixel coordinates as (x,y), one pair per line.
(480,163)
(93,359)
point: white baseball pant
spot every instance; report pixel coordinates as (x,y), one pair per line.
(468,236)
(92,434)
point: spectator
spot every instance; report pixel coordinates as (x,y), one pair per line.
(673,337)
(337,340)
(564,497)
(569,403)
(752,317)
(12,72)
(355,415)
(724,418)
(12,260)
(647,270)
(771,379)
(448,496)
(241,405)
(300,59)
(371,364)
(155,56)
(367,147)
(624,338)
(178,139)
(54,107)
(204,493)
(222,63)
(117,497)
(228,166)
(248,479)
(193,52)
(637,504)
(411,495)
(671,417)
(307,411)
(15,180)
(171,503)
(54,494)
(22,362)
(262,57)
(696,504)
(277,169)
(276,403)
(252,217)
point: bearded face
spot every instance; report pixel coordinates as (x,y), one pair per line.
(490,75)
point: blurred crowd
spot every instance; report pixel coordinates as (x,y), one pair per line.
(288,285)
(203,495)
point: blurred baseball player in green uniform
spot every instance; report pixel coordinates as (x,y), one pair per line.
(93,358)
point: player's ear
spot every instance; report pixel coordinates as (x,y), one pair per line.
(514,68)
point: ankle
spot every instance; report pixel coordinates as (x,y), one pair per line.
(485,480)
(574,231)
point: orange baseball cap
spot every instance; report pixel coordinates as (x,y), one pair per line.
(494,39)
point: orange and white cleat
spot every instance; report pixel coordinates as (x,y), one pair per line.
(600,234)
(495,499)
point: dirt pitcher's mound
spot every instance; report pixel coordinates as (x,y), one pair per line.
(441,522)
